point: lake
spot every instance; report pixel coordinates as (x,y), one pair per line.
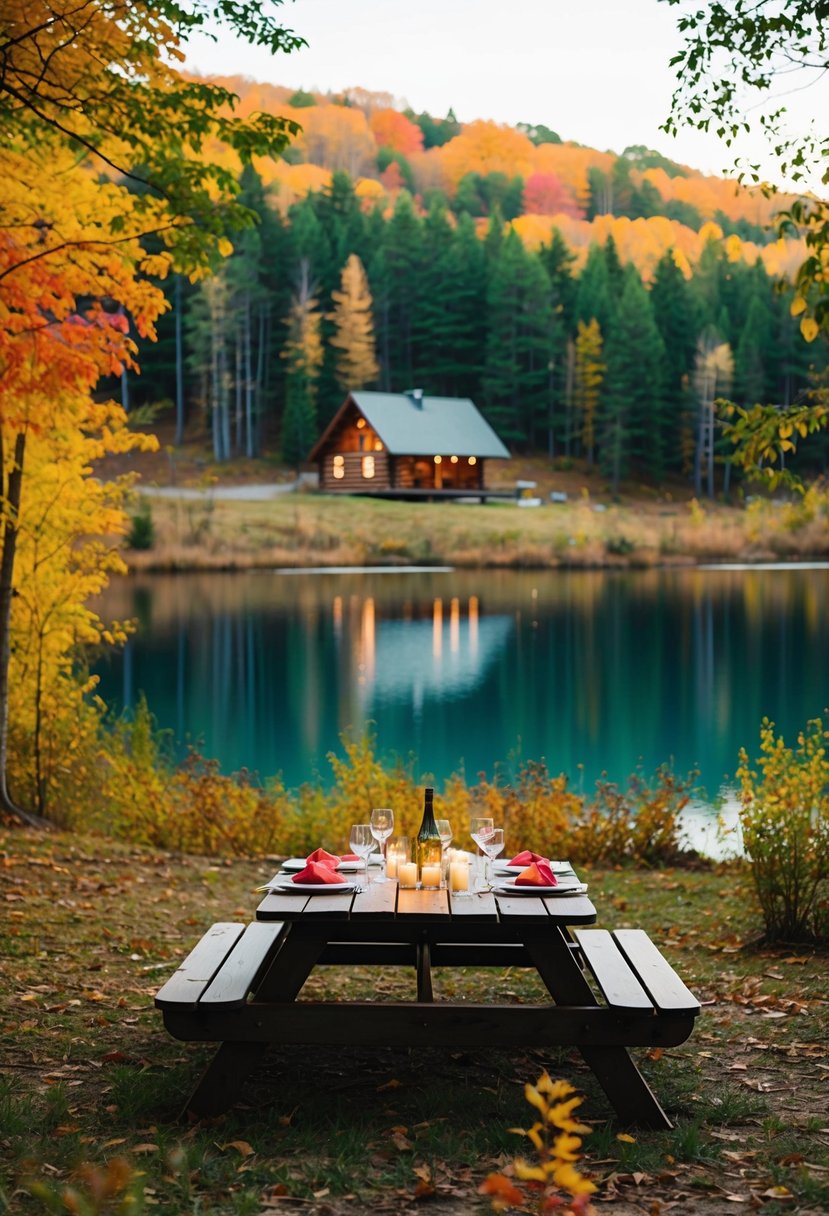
(594,671)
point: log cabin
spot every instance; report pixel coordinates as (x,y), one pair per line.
(406,445)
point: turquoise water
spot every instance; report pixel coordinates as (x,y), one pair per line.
(595,672)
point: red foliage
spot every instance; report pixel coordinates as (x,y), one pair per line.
(392,129)
(546,194)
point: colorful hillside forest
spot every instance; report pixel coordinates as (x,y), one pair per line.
(593,305)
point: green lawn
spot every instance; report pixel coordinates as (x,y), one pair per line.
(91,1082)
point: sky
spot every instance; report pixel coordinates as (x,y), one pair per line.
(595,71)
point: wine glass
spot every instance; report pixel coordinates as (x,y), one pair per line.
(445,832)
(361,841)
(479,828)
(492,845)
(382,826)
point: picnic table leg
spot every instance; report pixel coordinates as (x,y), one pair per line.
(222,1081)
(627,1090)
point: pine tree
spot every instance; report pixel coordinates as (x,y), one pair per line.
(632,403)
(676,319)
(519,341)
(354,328)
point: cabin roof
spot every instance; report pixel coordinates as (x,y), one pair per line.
(416,425)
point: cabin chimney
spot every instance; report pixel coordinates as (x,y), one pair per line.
(415,395)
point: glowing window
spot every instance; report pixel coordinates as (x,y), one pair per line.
(339,467)
(368,467)
(473,459)
(378,446)
(361,422)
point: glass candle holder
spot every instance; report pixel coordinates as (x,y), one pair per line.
(459,876)
(407,874)
(429,856)
(398,852)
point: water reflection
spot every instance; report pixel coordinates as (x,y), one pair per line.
(594,671)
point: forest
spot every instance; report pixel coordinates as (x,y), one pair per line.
(594,306)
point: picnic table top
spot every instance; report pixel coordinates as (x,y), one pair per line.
(387,902)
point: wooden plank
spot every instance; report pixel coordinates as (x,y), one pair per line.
(424,972)
(521,908)
(617,982)
(188,983)
(237,975)
(478,907)
(479,954)
(627,1090)
(275,906)
(571,909)
(425,905)
(376,901)
(439,1024)
(332,907)
(666,989)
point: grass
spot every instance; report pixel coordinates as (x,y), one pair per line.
(307,529)
(92,1084)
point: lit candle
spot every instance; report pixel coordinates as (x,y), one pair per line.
(407,873)
(430,876)
(459,874)
(391,864)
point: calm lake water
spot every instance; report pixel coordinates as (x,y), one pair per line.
(594,671)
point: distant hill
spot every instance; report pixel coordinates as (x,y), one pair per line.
(536,180)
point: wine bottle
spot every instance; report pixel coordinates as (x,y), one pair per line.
(428,838)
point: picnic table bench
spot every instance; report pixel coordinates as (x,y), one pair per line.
(611,990)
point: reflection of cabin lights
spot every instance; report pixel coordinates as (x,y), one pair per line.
(438,459)
(453,459)
(361,422)
(339,467)
(378,446)
(368,467)
(473,459)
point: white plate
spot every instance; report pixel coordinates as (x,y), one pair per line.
(299,863)
(508,887)
(558,867)
(312,888)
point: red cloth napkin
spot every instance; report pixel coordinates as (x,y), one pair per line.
(527,858)
(326,859)
(349,857)
(318,872)
(538,874)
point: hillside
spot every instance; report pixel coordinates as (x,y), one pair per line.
(537,180)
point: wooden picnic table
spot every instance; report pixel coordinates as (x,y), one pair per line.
(240,985)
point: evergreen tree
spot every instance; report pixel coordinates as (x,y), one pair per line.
(394,279)
(354,328)
(675,316)
(518,350)
(594,297)
(632,403)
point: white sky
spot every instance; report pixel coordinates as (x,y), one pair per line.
(595,71)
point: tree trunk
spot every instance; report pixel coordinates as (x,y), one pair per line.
(179,440)
(9,546)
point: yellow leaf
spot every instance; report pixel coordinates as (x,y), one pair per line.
(225,247)
(809,328)
(625,1138)
(798,306)
(242,1147)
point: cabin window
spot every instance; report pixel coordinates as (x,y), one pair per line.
(378,445)
(361,422)
(339,467)
(368,467)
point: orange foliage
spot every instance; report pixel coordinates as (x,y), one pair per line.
(486,147)
(571,164)
(712,194)
(392,129)
(337,137)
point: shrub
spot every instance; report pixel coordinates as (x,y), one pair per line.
(784,817)
(141,533)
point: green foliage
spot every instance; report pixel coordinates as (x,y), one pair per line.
(141,533)
(785,826)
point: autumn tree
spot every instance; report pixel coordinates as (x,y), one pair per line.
(303,354)
(587,383)
(354,328)
(89,98)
